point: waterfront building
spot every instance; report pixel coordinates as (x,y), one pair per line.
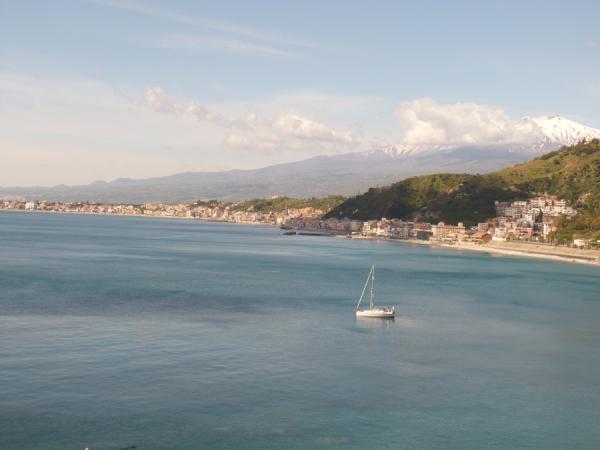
(483,226)
(355,225)
(369,227)
(442,231)
(581,243)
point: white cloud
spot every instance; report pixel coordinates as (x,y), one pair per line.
(425,121)
(260,140)
(155,98)
(287,131)
(290,132)
(279,45)
(304,128)
(216,43)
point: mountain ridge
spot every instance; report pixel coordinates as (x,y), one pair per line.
(318,176)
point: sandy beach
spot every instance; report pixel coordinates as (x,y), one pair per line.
(522,249)
(533,250)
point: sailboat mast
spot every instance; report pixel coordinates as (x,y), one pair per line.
(372,284)
(364,288)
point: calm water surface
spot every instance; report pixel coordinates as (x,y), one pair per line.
(165,334)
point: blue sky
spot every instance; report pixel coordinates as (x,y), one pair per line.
(109,88)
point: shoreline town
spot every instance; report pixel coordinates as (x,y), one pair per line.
(520,228)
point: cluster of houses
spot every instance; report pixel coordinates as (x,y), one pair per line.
(393,229)
(218,211)
(528,220)
(531,219)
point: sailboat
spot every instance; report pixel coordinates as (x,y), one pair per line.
(385,312)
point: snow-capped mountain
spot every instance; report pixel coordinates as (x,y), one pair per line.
(537,134)
(398,150)
(560,131)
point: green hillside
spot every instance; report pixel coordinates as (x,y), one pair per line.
(444,197)
(572,173)
(277,204)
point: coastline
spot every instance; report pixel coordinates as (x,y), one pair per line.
(82,213)
(531,250)
(510,248)
(518,249)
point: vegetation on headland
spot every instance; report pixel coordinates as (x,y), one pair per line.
(278,204)
(444,197)
(572,173)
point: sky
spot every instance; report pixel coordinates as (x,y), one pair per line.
(103,89)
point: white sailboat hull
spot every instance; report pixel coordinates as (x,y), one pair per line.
(384,313)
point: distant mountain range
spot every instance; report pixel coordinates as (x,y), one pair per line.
(345,174)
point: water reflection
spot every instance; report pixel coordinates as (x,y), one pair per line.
(374,322)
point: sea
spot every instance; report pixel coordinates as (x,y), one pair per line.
(139,333)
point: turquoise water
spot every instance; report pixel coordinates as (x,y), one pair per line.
(163,334)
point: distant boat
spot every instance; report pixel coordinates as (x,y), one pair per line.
(289,233)
(313,233)
(384,312)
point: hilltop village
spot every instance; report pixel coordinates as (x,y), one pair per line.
(531,220)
